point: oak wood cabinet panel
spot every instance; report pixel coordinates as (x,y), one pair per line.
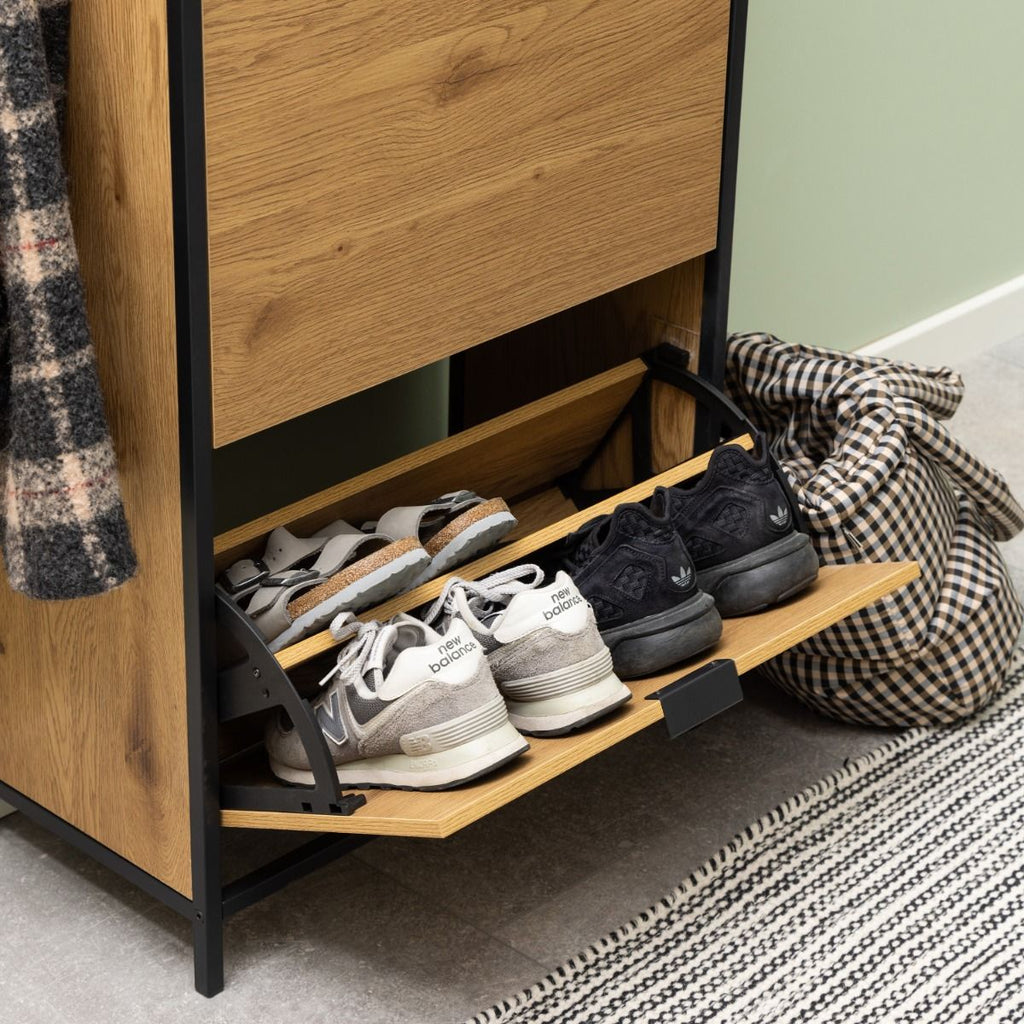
(389,183)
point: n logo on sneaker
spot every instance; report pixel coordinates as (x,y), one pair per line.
(684,579)
(330,721)
(780,517)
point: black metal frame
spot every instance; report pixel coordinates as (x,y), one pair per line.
(274,876)
(212,901)
(718,262)
(195,433)
(235,896)
(97,851)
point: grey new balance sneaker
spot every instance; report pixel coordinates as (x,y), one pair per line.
(405,708)
(543,645)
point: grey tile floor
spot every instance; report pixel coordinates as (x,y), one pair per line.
(423,932)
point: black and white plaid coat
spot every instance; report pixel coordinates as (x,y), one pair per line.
(64,530)
(879,478)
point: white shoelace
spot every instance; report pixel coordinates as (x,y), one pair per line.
(357,651)
(364,655)
(492,590)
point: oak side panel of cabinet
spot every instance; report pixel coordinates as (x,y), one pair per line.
(392,182)
(92,692)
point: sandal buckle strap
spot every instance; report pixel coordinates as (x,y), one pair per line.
(243,576)
(292,577)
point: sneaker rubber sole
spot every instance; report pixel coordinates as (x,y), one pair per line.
(567,699)
(441,770)
(764,577)
(648,645)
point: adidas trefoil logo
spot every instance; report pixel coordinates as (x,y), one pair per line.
(684,579)
(780,517)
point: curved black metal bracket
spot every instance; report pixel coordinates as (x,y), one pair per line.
(669,365)
(255,681)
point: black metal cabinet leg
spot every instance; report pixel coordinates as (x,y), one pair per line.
(195,430)
(208,950)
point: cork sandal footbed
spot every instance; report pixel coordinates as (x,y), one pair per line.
(351,574)
(463,522)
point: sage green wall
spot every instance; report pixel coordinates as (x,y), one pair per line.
(881,164)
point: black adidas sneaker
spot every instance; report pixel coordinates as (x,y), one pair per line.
(633,568)
(739,529)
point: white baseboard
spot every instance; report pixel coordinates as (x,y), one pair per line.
(961,332)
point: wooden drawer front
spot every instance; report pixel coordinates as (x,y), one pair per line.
(393,181)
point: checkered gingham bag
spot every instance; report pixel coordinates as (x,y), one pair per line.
(880,479)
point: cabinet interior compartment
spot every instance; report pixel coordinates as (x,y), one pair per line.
(558,461)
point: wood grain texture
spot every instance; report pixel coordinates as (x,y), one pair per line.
(585,340)
(393,182)
(516,551)
(582,341)
(613,468)
(92,701)
(839,591)
(673,416)
(670,305)
(539,509)
(507,456)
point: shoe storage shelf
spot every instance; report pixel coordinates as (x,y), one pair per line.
(533,456)
(279,206)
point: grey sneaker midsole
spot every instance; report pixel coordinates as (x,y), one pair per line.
(468,760)
(560,682)
(763,577)
(562,711)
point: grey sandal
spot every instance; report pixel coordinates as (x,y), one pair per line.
(452,529)
(352,570)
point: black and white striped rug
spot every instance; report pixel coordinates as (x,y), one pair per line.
(891,892)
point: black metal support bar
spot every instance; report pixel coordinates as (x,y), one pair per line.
(195,433)
(103,854)
(642,440)
(287,868)
(718,263)
(456,393)
(699,696)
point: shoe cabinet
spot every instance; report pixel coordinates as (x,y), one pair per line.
(278,206)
